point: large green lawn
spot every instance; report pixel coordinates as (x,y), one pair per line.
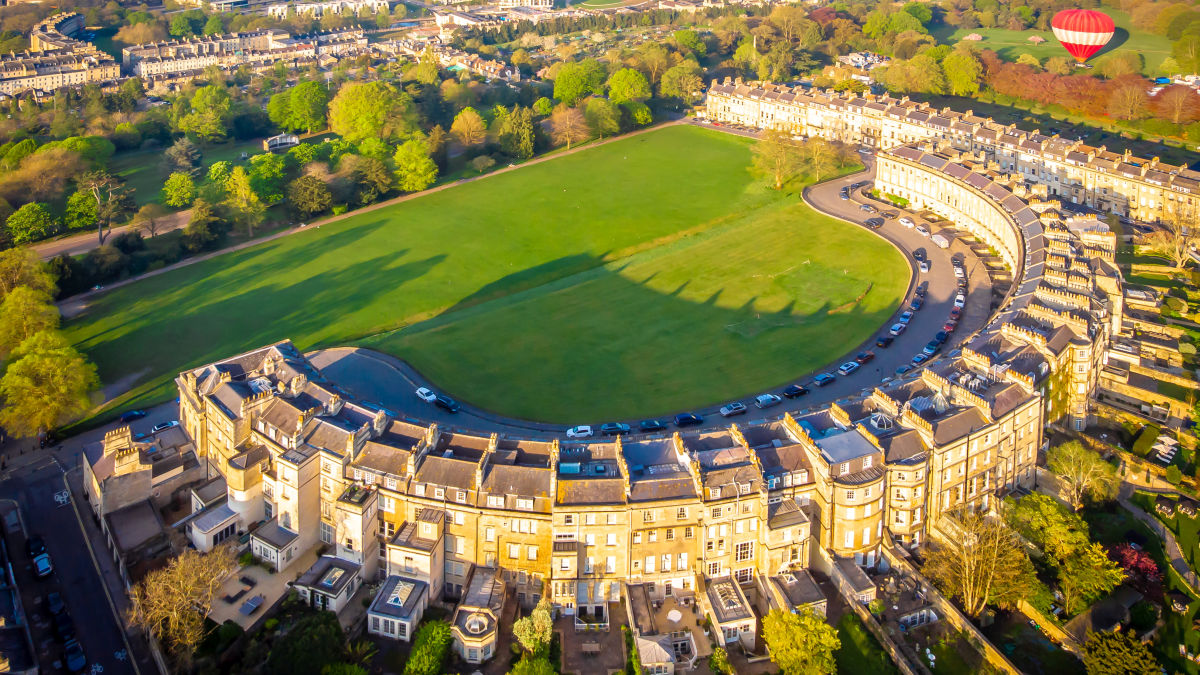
(1010,44)
(638,277)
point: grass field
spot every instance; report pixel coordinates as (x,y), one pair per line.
(636,277)
(1010,44)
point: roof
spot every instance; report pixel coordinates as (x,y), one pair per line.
(274,534)
(399,597)
(858,579)
(134,525)
(785,513)
(845,446)
(213,517)
(799,588)
(726,600)
(329,575)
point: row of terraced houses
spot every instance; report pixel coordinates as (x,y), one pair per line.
(726,521)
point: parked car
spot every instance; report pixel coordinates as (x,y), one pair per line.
(865,357)
(688,420)
(960,300)
(890,214)
(959,272)
(132,415)
(845,194)
(916,303)
(35,546)
(824,379)
(905,316)
(884,341)
(906,221)
(614,428)
(73,656)
(648,426)
(54,603)
(868,208)
(931,347)
(795,391)
(580,431)
(426,394)
(956,313)
(446,403)
(848,368)
(919,359)
(873,223)
(950,326)
(767,400)
(924,265)
(941,337)
(163,426)
(897,329)
(735,408)
(902,370)
(923,231)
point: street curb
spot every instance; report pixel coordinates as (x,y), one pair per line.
(99,573)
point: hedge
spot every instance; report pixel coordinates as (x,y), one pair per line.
(1145,440)
(431,646)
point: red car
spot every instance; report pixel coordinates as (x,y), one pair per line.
(956,314)
(864,357)
(950,326)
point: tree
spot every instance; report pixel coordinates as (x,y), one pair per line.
(1174,239)
(567,126)
(112,200)
(776,157)
(637,113)
(149,217)
(1140,567)
(963,71)
(571,83)
(1177,103)
(681,82)
(431,646)
(628,84)
(172,602)
(179,190)
(515,133)
(371,110)
(180,27)
(820,157)
(247,209)
(1128,100)
(1084,473)
(689,41)
(182,156)
(201,231)
(21,266)
(603,118)
(268,176)
(983,563)
(655,59)
(1086,576)
(208,114)
(415,170)
(80,213)
(214,26)
(315,642)
(24,313)
(1118,653)
(309,195)
(47,381)
(801,643)
(468,128)
(371,177)
(543,107)
(535,631)
(1050,526)
(31,222)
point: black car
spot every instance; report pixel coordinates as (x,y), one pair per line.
(648,426)
(688,420)
(132,415)
(916,303)
(35,546)
(885,341)
(941,337)
(64,627)
(614,428)
(795,391)
(54,603)
(446,403)
(873,223)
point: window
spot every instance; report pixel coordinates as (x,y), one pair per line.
(653,536)
(714,569)
(743,551)
(391,485)
(744,575)
(683,561)
(714,493)
(531,552)
(670,534)
(564,564)
(849,539)
(849,495)
(612,540)
(514,551)
(743,488)
(495,502)
(387,504)
(681,513)
(867,462)
(524,504)
(439,493)
(569,519)
(419,489)
(649,564)
(647,516)
(589,519)
(589,539)
(489,534)
(637,537)
(844,467)
(461,497)
(610,564)
(666,562)
(327,533)
(716,512)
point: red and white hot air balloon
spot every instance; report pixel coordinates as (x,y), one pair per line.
(1082,32)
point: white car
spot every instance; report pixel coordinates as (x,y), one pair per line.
(898,328)
(959,272)
(960,300)
(924,265)
(426,394)
(164,426)
(581,431)
(906,221)
(848,367)
(922,230)
(767,400)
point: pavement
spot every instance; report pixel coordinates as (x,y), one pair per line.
(78,244)
(390,382)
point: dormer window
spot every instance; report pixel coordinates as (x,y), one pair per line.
(524,504)
(418,489)
(461,497)
(743,488)
(844,468)
(714,493)
(439,493)
(867,462)
(495,501)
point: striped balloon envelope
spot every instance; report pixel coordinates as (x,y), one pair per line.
(1083,32)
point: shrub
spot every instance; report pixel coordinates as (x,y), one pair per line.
(719,663)
(1176,305)
(1143,616)
(430,648)
(246,558)
(1174,475)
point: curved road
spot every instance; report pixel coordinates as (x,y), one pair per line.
(390,382)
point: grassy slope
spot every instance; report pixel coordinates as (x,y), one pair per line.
(381,270)
(1010,44)
(548,231)
(726,313)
